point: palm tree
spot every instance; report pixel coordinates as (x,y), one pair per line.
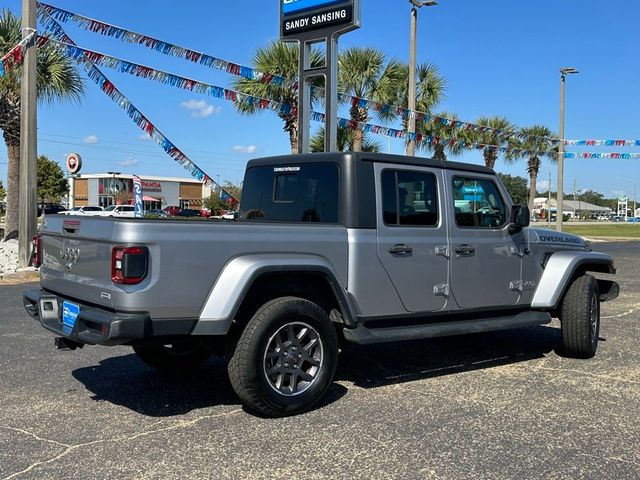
(365,73)
(279,59)
(490,138)
(535,143)
(452,141)
(57,80)
(346,138)
(430,89)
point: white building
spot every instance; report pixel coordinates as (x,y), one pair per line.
(105,189)
(570,207)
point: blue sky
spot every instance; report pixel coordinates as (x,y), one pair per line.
(500,57)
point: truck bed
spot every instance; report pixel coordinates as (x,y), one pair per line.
(185,258)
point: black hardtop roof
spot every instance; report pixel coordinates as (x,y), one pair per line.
(341,157)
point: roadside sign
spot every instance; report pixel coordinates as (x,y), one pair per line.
(74,163)
(312,23)
(303,16)
(137,197)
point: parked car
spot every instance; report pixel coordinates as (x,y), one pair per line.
(172,210)
(617,218)
(633,220)
(89,210)
(118,211)
(157,213)
(338,247)
(188,212)
(50,209)
(231,216)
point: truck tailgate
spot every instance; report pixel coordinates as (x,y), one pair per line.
(74,264)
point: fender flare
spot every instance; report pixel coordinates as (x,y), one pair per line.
(561,268)
(240,273)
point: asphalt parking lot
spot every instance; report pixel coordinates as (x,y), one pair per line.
(490,406)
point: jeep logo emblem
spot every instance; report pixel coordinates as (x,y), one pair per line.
(69,253)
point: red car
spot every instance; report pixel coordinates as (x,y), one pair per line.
(172,210)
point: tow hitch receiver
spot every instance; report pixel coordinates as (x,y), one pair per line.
(66,344)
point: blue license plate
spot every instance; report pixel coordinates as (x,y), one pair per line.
(70,312)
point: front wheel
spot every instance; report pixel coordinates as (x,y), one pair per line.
(285,359)
(180,356)
(580,318)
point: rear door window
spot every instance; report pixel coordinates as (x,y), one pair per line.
(409,198)
(292,193)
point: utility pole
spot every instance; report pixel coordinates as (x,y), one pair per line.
(560,201)
(411,144)
(549,200)
(574,200)
(27,222)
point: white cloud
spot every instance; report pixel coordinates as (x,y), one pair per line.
(145,137)
(200,108)
(91,140)
(249,149)
(129,162)
(542,185)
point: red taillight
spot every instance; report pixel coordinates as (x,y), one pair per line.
(37,251)
(129,265)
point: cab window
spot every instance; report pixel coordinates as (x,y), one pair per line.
(292,193)
(409,198)
(478,203)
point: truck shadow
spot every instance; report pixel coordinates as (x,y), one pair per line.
(127,382)
(386,364)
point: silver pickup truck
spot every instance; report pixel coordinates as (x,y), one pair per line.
(362,248)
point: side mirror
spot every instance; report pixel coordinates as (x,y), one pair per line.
(520,218)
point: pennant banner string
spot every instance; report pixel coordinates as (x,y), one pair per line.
(615,156)
(603,143)
(166,48)
(83,55)
(14,57)
(138,118)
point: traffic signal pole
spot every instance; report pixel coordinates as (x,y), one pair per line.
(27,223)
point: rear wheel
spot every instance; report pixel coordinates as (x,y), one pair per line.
(179,356)
(580,318)
(285,358)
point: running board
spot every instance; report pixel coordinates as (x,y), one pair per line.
(364,335)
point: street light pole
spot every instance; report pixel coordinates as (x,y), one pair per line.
(27,220)
(411,144)
(560,201)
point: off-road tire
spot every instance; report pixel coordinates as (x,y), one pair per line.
(180,357)
(247,370)
(579,334)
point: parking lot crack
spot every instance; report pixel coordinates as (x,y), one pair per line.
(124,438)
(37,437)
(588,374)
(612,459)
(631,310)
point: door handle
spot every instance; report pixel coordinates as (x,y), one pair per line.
(465,250)
(400,249)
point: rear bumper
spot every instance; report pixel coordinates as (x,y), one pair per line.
(96,326)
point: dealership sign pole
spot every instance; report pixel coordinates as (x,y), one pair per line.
(311,22)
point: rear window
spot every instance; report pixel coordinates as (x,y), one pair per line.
(292,193)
